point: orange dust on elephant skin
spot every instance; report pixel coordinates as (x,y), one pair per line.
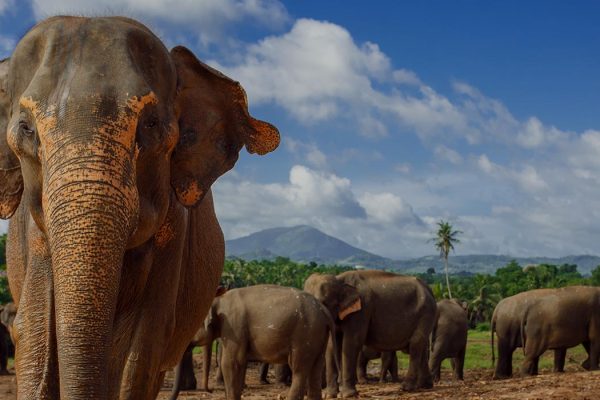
(106,165)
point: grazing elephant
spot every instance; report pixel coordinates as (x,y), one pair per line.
(109,145)
(506,324)
(272,324)
(449,337)
(563,318)
(381,310)
(389,363)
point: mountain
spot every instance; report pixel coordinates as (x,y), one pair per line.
(305,244)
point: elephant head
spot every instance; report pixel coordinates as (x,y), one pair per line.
(340,298)
(102,130)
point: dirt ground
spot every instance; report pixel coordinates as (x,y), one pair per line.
(477,385)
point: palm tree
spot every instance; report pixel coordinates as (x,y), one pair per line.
(444,242)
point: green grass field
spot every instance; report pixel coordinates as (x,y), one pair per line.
(479,354)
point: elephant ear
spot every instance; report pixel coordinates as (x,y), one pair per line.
(11,180)
(350,301)
(214,124)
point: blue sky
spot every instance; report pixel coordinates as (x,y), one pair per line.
(398,114)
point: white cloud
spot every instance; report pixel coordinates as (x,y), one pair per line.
(388,208)
(489,120)
(207,18)
(308,152)
(317,72)
(447,154)
(5,5)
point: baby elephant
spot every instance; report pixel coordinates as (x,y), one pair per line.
(272,324)
(389,363)
(449,338)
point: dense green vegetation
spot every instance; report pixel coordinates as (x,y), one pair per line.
(480,291)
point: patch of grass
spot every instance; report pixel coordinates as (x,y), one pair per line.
(479,355)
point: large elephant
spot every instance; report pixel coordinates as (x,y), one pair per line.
(449,337)
(506,324)
(563,318)
(389,364)
(109,145)
(272,324)
(381,310)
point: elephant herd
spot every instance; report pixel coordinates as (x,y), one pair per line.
(109,146)
(332,328)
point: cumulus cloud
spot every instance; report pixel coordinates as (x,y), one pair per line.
(376,221)
(317,72)
(207,18)
(490,120)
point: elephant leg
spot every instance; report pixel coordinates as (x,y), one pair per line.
(559,359)
(394,368)
(386,362)
(300,362)
(418,375)
(504,365)
(34,329)
(532,355)
(233,364)
(351,346)
(188,378)
(586,363)
(3,350)
(332,372)
(314,379)
(264,371)
(219,375)
(459,364)
(361,370)
(435,363)
(594,354)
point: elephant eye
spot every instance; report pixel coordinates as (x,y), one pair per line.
(25,129)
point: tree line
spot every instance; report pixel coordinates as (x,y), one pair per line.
(481,292)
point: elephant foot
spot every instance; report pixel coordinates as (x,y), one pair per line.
(363,381)
(586,364)
(331,392)
(264,382)
(409,386)
(498,376)
(349,393)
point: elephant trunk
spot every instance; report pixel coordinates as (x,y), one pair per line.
(206,357)
(90,206)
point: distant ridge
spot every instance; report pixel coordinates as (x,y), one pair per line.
(304,243)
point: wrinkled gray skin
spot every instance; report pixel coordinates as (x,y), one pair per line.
(561,319)
(395,312)
(109,145)
(389,364)
(449,338)
(506,324)
(272,324)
